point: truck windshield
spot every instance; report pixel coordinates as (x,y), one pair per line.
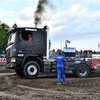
(11,38)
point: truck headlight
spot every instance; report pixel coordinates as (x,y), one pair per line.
(13,60)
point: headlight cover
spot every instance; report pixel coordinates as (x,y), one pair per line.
(13,60)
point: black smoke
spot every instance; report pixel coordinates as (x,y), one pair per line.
(41,8)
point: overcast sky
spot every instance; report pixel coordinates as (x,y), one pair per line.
(74,20)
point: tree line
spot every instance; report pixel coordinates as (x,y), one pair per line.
(3,38)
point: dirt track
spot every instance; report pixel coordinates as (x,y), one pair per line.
(44,87)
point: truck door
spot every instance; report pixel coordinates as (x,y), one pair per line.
(38,42)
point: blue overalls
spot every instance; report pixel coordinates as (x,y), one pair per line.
(60,59)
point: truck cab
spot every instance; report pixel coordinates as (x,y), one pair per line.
(25,56)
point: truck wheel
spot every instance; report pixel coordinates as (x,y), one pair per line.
(82,71)
(19,72)
(31,69)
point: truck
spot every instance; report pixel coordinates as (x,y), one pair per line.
(29,58)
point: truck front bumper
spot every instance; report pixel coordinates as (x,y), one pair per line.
(12,66)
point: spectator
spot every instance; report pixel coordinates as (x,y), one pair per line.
(60,60)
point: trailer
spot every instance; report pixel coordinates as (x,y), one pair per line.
(28,58)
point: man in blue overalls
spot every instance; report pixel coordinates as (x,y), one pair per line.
(60,60)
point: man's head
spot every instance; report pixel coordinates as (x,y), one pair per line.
(29,35)
(59,52)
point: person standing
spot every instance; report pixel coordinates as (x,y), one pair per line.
(60,60)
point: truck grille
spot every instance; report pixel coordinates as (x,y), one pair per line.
(8,60)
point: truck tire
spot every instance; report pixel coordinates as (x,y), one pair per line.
(19,72)
(31,69)
(82,71)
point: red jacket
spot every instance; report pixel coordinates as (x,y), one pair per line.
(30,39)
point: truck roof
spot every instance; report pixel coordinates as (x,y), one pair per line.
(14,28)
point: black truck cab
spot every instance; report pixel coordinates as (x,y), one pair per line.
(20,50)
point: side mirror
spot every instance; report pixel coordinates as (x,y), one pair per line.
(20,37)
(46,28)
(4,52)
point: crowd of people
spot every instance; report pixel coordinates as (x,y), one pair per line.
(86,53)
(79,54)
(2,56)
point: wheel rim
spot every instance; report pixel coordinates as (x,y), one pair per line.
(32,69)
(83,71)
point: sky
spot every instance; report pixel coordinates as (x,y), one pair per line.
(75,20)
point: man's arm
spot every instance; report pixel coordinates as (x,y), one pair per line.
(55,63)
(65,62)
(55,60)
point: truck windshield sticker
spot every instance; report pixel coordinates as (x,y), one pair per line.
(27,29)
(14,49)
(8,47)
